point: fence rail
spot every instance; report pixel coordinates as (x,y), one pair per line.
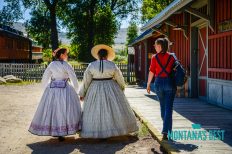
(34,72)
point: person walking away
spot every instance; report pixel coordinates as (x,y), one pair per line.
(59,111)
(106,111)
(161,67)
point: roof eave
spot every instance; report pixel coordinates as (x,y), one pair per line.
(154,21)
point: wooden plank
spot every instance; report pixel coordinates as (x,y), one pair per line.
(197,13)
(215,56)
(228,9)
(160,31)
(218,60)
(225,56)
(224,10)
(221,58)
(183,120)
(209,56)
(230,55)
(220,70)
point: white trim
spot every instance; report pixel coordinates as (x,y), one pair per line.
(205,46)
(219,81)
(202,42)
(202,78)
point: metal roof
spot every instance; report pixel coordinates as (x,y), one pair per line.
(165,13)
(145,34)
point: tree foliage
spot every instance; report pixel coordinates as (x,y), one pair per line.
(88,22)
(10,12)
(38,27)
(132,32)
(106,26)
(95,21)
(150,8)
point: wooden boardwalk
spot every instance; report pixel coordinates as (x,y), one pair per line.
(186,112)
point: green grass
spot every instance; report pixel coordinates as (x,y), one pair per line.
(19,84)
(143,131)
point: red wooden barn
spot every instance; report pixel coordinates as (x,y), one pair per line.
(201,32)
(15,47)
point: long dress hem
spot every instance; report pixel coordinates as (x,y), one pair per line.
(59,111)
(110,133)
(106,111)
(54,131)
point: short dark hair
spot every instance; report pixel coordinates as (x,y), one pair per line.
(164,43)
(102,53)
(59,52)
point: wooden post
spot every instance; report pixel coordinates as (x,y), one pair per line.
(194,60)
(128,69)
(146,59)
(211,12)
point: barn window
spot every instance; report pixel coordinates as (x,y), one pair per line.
(140,57)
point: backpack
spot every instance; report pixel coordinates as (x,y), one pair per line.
(178,73)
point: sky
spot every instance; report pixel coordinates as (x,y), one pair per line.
(26,16)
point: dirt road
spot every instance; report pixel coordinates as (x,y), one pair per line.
(17,107)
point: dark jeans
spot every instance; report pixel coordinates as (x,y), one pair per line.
(165,90)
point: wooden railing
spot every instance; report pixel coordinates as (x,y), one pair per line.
(34,72)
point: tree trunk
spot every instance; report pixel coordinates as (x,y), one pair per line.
(54,32)
(91,28)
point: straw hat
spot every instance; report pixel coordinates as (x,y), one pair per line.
(97,48)
(55,51)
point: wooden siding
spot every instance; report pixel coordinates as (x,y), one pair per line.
(14,48)
(37,49)
(220,43)
(140,74)
(181,45)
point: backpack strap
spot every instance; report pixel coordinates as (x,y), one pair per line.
(163,67)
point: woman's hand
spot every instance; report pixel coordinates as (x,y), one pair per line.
(150,77)
(81,98)
(148,88)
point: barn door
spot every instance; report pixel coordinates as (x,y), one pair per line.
(202,61)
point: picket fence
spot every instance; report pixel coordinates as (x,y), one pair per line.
(34,72)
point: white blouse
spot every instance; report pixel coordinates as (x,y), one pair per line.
(110,71)
(60,70)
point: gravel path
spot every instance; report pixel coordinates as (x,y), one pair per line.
(17,107)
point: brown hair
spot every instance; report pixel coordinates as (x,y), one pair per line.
(59,52)
(164,43)
(102,53)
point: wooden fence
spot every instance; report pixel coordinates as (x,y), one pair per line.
(34,72)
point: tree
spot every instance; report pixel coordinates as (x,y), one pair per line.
(95,21)
(105,26)
(150,8)
(88,22)
(38,27)
(132,32)
(11,12)
(51,6)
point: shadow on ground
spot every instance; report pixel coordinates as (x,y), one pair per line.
(87,146)
(209,116)
(180,147)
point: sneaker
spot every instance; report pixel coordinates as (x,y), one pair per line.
(165,137)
